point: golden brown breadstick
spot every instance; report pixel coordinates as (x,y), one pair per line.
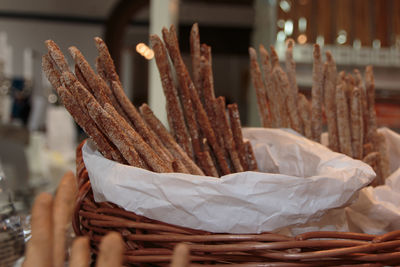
(291,101)
(259,88)
(251,158)
(174,109)
(330,74)
(271,90)
(227,133)
(305,114)
(181,256)
(236,127)
(138,123)
(356,122)
(206,163)
(80,252)
(111,250)
(188,90)
(153,160)
(370,88)
(343,121)
(56,54)
(316,95)
(63,207)
(168,140)
(196,55)
(40,247)
(382,149)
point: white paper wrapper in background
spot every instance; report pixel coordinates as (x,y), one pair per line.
(313,180)
(377,210)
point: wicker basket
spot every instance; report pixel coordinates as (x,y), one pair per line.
(150,241)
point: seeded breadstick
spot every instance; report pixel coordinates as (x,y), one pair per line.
(80,77)
(208,90)
(189,90)
(145,151)
(291,101)
(181,256)
(174,109)
(57,55)
(80,252)
(206,163)
(343,121)
(271,90)
(111,251)
(370,88)
(305,114)
(63,207)
(39,250)
(236,127)
(115,133)
(138,123)
(168,140)
(259,88)
(251,158)
(184,80)
(330,74)
(281,94)
(106,61)
(382,149)
(101,92)
(228,136)
(356,122)
(196,55)
(364,102)
(316,95)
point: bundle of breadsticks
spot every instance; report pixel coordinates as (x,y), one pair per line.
(204,140)
(347,101)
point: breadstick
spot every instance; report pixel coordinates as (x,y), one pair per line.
(114,132)
(168,140)
(382,148)
(356,122)
(171,42)
(63,207)
(259,88)
(189,90)
(227,133)
(251,158)
(52,74)
(181,256)
(100,69)
(106,61)
(367,148)
(111,250)
(138,123)
(291,102)
(101,92)
(56,54)
(291,67)
(330,74)
(80,252)
(305,114)
(271,90)
(236,127)
(80,77)
(316,95)
(370,88)
(174,109)
(40,247)
(178,166)
(364,102)
(196,55)
(373,159)
(343,121)
(282,95)
(206,163)
(145,151)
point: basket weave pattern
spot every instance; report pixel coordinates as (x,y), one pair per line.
(150,241)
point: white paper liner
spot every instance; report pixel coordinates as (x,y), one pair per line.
(313,180)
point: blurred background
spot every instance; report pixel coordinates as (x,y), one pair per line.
(38,137)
